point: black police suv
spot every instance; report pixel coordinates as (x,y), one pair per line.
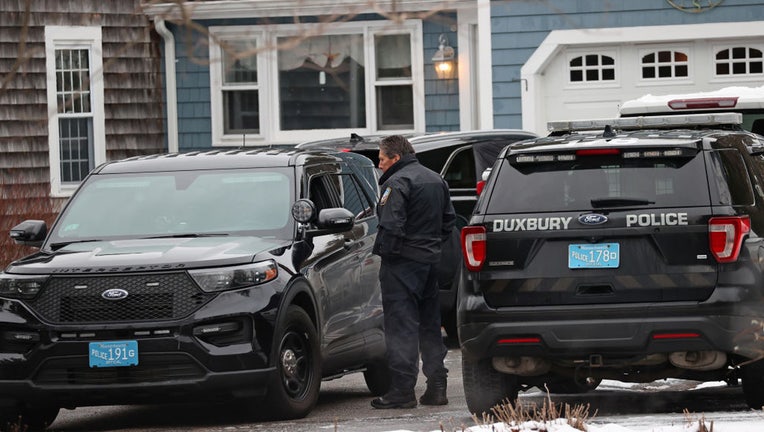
(242,274)
(626,249)
(461,158)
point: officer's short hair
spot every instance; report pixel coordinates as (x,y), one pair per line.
(395,145)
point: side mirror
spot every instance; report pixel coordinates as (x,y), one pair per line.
(328,221)
(30,233)
(335,219)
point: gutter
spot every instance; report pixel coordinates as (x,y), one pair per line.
(170,83)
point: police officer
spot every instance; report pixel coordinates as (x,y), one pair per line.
(415,217)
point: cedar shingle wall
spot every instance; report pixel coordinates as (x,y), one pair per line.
(133,97)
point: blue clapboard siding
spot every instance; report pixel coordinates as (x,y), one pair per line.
(193,79)
(519,26)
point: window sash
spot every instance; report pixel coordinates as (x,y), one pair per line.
(368,113)
(76,124)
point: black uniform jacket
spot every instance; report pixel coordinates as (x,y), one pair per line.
(415,212)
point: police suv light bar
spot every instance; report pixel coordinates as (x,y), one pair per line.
(647,122)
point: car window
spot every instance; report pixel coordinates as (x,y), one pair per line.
(732,179)
(460,172)
(435,159)
(353,199)
(325,192)
(333,190)
(572,185)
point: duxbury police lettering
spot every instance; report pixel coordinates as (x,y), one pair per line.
(531,224)
(656,219)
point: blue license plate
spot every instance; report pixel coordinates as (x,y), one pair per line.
(113,354)
(599,255)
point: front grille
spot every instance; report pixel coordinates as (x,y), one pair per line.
(151,369)
(151,297)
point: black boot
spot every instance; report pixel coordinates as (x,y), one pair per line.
(435,393)
(394,399)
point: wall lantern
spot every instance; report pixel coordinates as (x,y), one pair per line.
(443,58)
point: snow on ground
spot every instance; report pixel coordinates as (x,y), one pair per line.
(752,421)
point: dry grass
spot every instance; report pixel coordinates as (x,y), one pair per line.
(514,415)
(702,425)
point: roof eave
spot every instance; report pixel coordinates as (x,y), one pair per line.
(274,8)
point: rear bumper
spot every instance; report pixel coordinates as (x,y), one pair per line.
(615,331)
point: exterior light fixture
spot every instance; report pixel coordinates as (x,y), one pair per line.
(443,58)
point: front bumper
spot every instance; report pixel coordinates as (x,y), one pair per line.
(220,351)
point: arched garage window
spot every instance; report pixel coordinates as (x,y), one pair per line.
(592,67)
(664,65)
(739,61)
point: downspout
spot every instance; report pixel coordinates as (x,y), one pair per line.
(171,84)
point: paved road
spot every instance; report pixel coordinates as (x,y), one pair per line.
(344,407)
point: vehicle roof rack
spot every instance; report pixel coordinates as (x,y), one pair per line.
(648,122)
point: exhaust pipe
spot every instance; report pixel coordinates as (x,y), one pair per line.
(698,360)
(523,366)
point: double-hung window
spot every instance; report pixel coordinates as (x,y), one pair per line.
(75,105)
(288,83)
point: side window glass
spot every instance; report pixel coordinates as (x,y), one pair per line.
(732,178)
(353,199)
(435,159)
(331,191)
(460,172)
(325,192)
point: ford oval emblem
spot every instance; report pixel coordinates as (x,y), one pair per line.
(592,219)
(114,294)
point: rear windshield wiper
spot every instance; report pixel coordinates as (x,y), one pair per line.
(619,202)
(187,235)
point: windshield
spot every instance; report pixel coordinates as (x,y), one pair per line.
(226,202)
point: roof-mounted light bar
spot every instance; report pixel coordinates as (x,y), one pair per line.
(648,122)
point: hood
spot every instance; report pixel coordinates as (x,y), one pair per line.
(148,254)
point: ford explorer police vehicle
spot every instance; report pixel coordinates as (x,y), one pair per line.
(207,276)
(627,249)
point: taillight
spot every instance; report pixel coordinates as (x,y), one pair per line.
(473,247)
(480,186)
(725,236)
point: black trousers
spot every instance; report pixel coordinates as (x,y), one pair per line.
(412,322)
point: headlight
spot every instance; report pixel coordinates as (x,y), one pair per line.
(20,286)
(229,278)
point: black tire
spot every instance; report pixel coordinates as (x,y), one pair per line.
(572,386)
(295,391)
(752,376)
(377,377)
(485,387)
(28,418)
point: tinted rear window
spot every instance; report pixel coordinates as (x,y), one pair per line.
(573,185)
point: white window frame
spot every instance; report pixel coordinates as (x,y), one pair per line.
(599,83)
(267,65)
(74,37)
(673,80)
(731,76)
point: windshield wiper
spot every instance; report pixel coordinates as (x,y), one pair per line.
(187,235)
(59,245)
(619,202)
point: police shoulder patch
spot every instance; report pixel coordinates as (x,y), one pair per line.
(385,196)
